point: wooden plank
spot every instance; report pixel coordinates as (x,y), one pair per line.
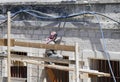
(8,47)
(46,59)
(3,42)
(84,75)
(45,46)
(65,68)
(91,72)
(35,60)
(94,72)
(76,63)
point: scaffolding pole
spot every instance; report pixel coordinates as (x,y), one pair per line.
(77,63)
(8,47)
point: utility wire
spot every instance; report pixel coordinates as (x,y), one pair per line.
(47,16)
(103,40)
(51,17)
(105,49)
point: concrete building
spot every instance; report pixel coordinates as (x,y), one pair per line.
(93,24)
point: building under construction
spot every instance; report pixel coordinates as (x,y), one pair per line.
(90,40)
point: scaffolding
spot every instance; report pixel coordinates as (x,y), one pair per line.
(79,72)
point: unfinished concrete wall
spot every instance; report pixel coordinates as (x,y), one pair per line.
(82,29)
(90,43)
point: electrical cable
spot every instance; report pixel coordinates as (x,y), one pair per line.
(107,17)
(104,42)
(47,16)
(38,12)
(105,49)
(13,15)
(69,16)
(50,17)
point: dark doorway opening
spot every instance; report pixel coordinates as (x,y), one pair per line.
(102,65)
(18,69)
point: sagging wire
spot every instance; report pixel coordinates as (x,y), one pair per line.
(51,17)
(12,17)
(107,17)
(41,13)
(105,49)
(103,40)
(47,16)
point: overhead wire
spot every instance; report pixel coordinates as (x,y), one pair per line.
(48,16)
(103,40)
(40,13)
(51,17)
(105,49)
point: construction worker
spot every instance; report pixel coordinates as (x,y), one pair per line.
(52,39)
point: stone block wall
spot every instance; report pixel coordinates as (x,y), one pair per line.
(89,40)
(82,29)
